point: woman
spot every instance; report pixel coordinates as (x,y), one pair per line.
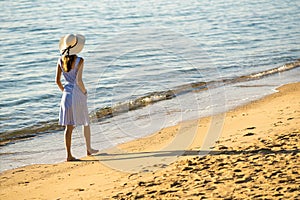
(73,107)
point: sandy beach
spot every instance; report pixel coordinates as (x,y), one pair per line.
(256,157)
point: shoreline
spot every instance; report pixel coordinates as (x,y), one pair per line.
(51,125)
(243,129)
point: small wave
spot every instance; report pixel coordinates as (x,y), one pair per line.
(140,102)
(283,68)
(131,105)
(28,132)
(151,98)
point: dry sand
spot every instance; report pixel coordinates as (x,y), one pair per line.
(256,157)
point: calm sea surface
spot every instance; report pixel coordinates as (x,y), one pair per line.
(137,52)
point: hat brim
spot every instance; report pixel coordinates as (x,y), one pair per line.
(74,50)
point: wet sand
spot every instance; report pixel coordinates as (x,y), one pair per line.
(256,157)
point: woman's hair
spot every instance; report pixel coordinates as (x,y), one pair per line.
(67,62)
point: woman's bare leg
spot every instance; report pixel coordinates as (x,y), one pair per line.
(68,139)
(87,135)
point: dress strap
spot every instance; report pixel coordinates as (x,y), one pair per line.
(77,62)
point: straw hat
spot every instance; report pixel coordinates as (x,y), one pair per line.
(72,43)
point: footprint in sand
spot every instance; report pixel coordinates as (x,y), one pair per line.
(249,134)
(251,128)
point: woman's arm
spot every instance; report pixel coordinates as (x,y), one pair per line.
(58,77)
(79,77)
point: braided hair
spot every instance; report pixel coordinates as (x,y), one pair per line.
(67,61)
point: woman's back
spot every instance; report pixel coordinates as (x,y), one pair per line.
(70,76)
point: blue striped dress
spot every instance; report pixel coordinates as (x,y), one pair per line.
(73,105)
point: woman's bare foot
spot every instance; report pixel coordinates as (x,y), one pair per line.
(71,158)
(91,152)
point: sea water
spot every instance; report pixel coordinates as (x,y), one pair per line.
(137,53)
